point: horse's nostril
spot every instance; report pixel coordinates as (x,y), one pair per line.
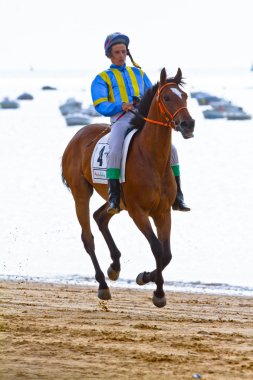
(187,124)
(192,123)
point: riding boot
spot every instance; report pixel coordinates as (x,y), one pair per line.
(179,204)
(114,196)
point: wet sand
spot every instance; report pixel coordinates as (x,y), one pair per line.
(50,331)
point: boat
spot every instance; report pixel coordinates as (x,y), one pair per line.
(238,115)
(214,114)
(77,118)
(71,105)
(7,103)
(204,98)
(25,96)
(226,108)
(91,111)
(198,94)
(48,88)
(221,103)
(230,112)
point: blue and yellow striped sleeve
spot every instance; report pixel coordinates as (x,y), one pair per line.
(147,82)
(100,93)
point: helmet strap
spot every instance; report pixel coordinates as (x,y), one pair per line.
(133,62)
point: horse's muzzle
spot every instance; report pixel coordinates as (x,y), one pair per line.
(186,128)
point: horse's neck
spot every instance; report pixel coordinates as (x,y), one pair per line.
(155,142)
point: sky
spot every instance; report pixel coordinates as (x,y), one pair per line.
(63,34)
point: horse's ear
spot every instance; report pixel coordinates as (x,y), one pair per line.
(178,76)
(163,76)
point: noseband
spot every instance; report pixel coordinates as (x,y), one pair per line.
(169,117)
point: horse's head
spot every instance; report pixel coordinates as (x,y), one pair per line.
(172,101)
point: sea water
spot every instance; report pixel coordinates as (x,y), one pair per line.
(212,245)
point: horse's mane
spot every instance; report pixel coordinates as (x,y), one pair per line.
(145,103)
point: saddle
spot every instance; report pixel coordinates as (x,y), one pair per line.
(99,158)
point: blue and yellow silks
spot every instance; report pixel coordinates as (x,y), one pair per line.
(118,85)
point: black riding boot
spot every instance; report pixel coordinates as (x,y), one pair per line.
(114,196)
(179,204)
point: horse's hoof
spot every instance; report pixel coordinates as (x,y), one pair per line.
(143,278)
(104,294)
(159,302)
(113,274)
(139,279)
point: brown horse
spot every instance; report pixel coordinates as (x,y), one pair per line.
(150,188)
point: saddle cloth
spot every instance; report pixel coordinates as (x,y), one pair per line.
(99,158)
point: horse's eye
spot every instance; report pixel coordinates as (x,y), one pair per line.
(166,98)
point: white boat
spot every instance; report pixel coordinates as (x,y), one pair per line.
(213,114)
(71,105)
(91,111)
(238,115)
(77,118)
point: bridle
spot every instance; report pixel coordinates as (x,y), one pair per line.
(169,117)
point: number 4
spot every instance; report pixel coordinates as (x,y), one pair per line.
(100,156)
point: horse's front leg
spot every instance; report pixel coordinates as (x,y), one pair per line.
(146,277)
(163,225)
(102,218)
(142,222)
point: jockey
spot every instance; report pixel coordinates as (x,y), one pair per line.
(114,92)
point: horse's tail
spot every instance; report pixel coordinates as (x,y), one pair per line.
(64,181)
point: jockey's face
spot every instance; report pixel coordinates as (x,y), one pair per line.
(118,54)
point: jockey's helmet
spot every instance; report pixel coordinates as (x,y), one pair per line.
(113,39)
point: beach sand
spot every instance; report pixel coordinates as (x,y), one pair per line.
(51,331)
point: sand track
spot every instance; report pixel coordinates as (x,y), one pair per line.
(64,332)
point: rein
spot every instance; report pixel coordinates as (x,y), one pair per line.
(168,116)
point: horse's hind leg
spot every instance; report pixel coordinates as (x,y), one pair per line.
(82,197)
(102,219)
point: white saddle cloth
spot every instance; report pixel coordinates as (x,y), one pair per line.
(99,158)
